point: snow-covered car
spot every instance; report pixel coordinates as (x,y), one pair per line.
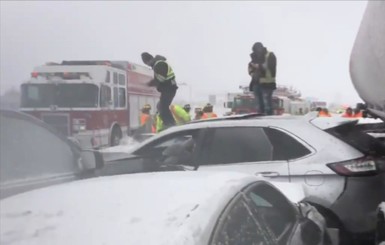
(162,208)
(34,155)
(335,158)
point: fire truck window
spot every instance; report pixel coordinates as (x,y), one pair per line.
(116,97)
(105,95)
(115,78)
(133,101)
(122,80)
(122,97)
(108,77)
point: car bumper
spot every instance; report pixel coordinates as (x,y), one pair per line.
(357,205)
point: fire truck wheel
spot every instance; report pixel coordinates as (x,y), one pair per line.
(116,136)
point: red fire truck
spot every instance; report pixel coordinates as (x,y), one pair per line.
(245,102)
(93,101)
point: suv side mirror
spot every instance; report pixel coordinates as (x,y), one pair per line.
(91,160)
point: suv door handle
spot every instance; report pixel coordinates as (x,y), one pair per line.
(268,174)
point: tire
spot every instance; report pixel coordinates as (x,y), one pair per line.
(332,221)
(116,136)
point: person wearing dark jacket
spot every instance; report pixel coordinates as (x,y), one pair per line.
(262,69)
(164,81)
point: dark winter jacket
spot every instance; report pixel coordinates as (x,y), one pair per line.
(162,69)
(256,74)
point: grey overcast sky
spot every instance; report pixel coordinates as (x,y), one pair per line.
(207,43)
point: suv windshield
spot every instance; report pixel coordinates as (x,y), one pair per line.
(60,95)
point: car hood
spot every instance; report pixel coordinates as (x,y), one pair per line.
(367,61)
(153,208)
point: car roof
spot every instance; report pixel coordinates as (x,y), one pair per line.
(148,208)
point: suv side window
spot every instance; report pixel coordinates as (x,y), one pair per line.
(273,210)
(285,147)
(238,226)
(237,145)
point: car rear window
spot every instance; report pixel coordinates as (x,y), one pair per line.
(361,137)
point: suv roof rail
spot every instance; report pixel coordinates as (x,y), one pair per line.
(233,117)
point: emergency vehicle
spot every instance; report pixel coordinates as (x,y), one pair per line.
(93,101)
(285,100)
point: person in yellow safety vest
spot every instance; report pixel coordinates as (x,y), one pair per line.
(208,112)
(146,120)
(159,123)
(165,83)
(263,68)
(187,108)
(179,114)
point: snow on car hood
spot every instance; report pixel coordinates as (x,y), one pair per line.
(151,208)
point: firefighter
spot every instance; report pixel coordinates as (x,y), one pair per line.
(180,115)
(187,108)
(198,113)
(357,113)
(165,83)
(146,120)
(348,113)
(208,112)
(324,112)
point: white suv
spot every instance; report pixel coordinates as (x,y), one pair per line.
(341,165)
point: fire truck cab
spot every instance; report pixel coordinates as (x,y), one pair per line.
(96,102)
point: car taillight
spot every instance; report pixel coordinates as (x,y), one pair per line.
(358,167)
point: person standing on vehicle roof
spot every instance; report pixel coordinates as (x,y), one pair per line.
(164,81)
(262,69)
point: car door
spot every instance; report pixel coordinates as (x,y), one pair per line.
(243,149)
(152,155)
(274,212)
(238,225)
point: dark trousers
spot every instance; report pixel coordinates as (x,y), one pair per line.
(165,100)
(258,98)
(267,97)
(264,98)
